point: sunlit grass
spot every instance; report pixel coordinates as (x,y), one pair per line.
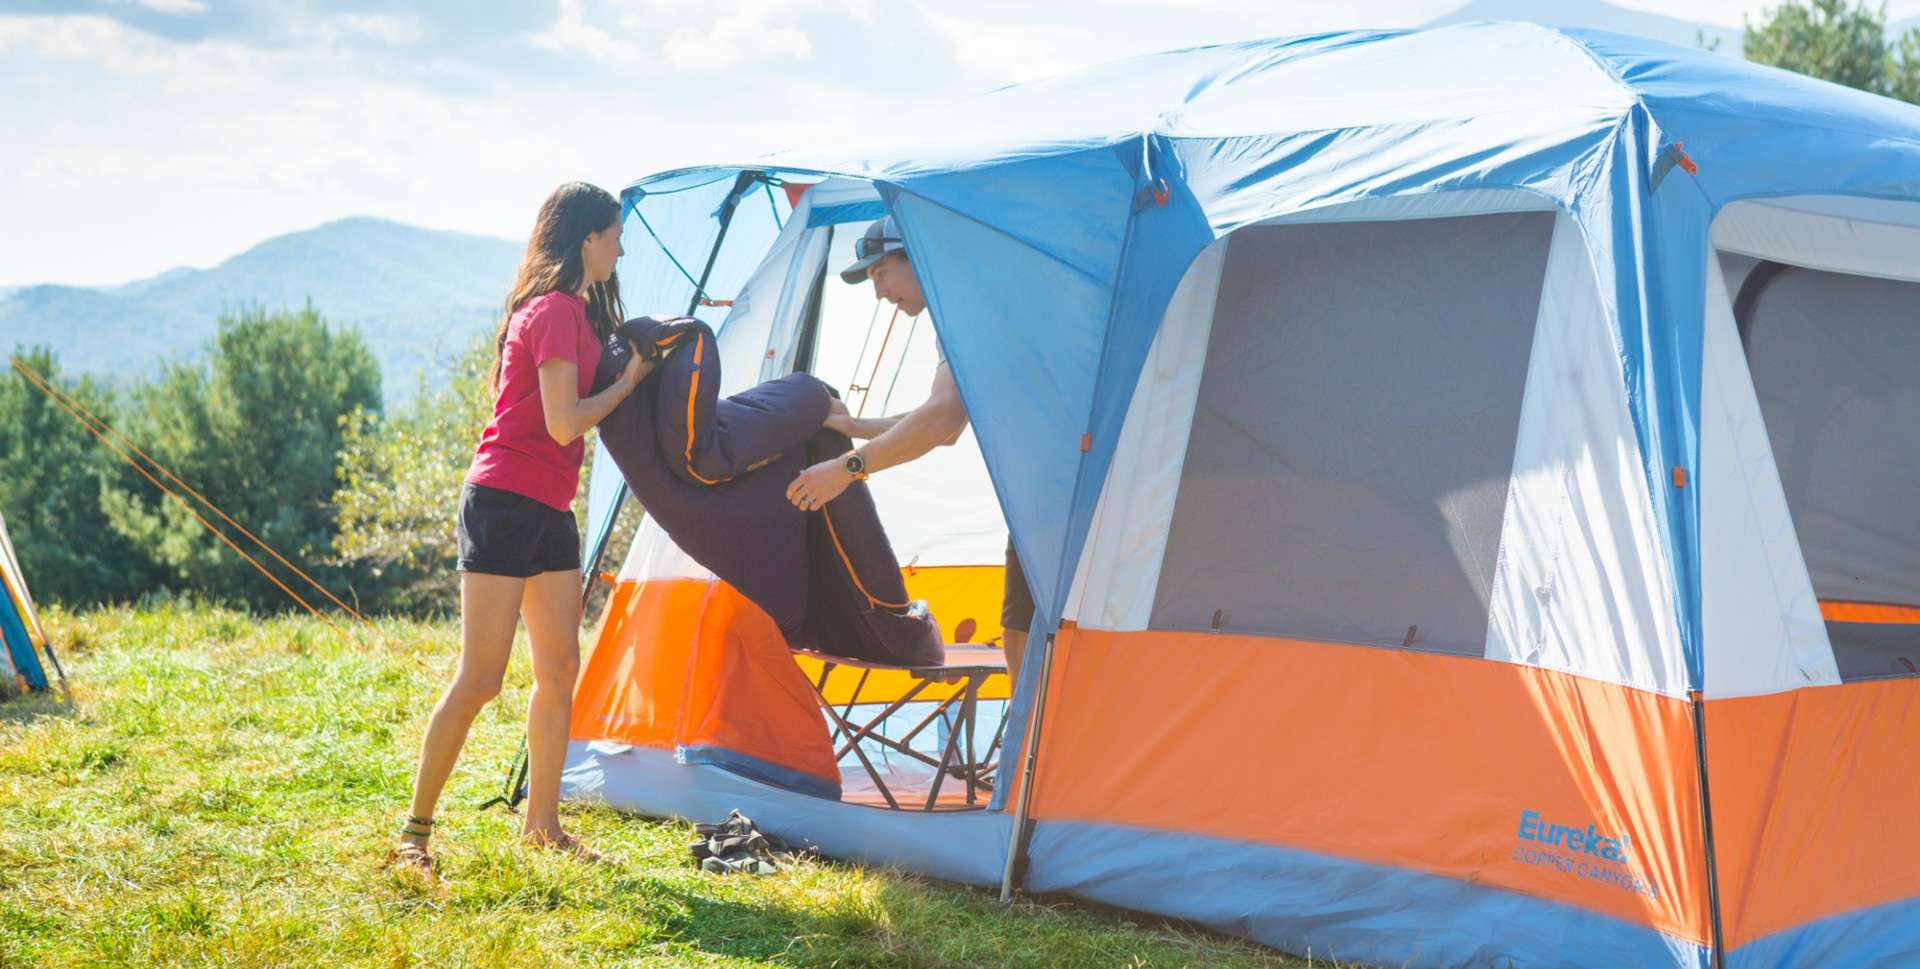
(220,790)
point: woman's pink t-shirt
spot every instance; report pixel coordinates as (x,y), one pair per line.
(516,453)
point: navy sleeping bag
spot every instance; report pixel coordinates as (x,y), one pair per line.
(713,472)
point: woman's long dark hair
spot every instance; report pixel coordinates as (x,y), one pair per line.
(574,211)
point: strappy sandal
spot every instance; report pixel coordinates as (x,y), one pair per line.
(565,843)
(409,855)
(737,846)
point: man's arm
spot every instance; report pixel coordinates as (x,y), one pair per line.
(938,421)
(861,428)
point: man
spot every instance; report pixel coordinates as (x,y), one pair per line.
(882,258)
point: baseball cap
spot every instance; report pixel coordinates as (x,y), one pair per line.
(881,238)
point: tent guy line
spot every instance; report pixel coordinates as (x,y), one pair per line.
(120,446)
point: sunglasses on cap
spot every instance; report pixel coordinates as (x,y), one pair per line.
(869,246)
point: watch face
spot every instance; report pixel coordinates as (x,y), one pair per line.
(856,464)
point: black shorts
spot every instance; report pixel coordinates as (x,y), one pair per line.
(502,533)
(1016,600)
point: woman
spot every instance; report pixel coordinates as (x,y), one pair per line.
(519,548)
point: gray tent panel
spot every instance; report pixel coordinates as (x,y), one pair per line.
(1836,365)
(1348,467)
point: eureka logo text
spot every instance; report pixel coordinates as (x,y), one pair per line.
(1588,839)
(1585,853)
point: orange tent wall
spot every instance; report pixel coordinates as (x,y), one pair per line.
(1416,760)
(692,663)
(1812,793)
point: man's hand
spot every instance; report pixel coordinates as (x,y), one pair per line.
(819,484)
(839,419)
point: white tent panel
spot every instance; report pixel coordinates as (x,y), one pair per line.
(1861,236)
(836,192)
(756,338)
(1581,583)
(653,556)
(1120,564)
(1760,621)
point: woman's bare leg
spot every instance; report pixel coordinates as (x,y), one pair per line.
(489,609)
(551,607)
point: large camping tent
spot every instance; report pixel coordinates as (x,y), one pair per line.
(21,634)
(1470,479)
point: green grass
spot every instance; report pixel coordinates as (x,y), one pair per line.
(220,789)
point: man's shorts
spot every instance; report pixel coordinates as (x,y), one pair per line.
(1016,600)
(502,533)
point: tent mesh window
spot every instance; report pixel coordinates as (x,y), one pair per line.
(1347,470)
(1834,359)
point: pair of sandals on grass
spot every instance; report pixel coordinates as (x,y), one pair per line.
(412,855)
(736,846)
(733,846)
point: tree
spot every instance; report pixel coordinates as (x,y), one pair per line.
(400,481)
(1839,42)
(50,492)
(400,477)
(255,427)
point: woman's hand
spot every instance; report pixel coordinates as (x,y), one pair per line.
(637,370)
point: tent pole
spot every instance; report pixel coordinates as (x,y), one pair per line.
(741,184)
(1015,872)
(1717,958)
(46,646)
(591,564)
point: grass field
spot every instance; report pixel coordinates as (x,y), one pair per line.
(220,789)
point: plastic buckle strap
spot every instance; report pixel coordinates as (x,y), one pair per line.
(1671,157)
(1156,192)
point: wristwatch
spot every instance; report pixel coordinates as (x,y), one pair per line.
(856,465)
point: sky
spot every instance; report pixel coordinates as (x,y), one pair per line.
(141,135)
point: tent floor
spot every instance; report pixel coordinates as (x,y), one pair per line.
(910,787)
(962,846)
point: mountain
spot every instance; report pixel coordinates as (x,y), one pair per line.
(1599,16)
(417,295)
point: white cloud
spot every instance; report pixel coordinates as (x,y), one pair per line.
(102,44)
(386,28)
(571,33)
(1006,53)
(166,6)
(745,33)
